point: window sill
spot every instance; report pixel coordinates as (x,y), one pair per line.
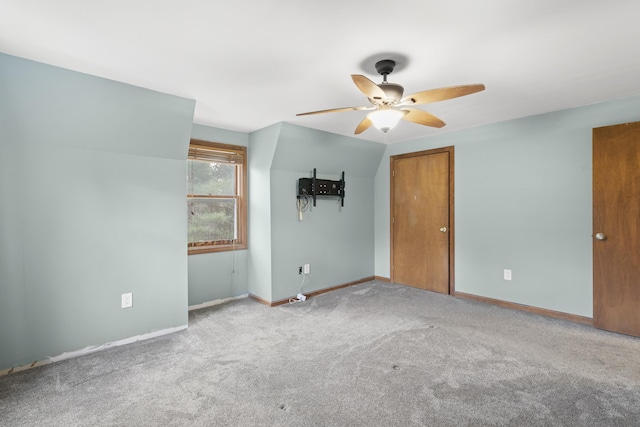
(217,248)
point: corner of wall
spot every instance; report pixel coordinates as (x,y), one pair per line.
(262,146)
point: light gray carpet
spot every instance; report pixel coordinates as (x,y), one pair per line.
(375,354)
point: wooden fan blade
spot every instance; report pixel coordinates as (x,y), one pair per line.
(335,110)
(422,118)
(364,125)
(434,95)
(369,88)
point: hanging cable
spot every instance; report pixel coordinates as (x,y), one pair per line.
(304,276)
(233,266)
(302,203)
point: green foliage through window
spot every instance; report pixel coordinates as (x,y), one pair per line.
(210,178)
(211,220)
(215,198)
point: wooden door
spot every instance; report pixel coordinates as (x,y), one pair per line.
(616,228)
(421,220)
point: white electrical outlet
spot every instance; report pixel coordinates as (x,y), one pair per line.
(507,274)
(127,300)
(306,269)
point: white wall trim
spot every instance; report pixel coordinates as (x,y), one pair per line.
(216,302)
(92,349)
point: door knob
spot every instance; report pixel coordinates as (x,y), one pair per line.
(600,236)
(443,229)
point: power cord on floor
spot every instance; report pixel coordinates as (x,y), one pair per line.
(299,297)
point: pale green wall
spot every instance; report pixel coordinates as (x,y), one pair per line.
(77,152)
(218,275)
(262,146)
(91,206)
(522,202)
(337,242)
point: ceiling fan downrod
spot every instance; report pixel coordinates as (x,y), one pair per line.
(384,68)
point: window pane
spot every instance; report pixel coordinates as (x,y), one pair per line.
(210,178)
(211,219)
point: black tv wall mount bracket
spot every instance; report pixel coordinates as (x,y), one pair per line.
(314,187)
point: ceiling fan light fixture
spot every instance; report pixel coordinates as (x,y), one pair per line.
(385,119)
(388,105)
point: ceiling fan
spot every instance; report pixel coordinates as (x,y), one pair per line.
(389,106)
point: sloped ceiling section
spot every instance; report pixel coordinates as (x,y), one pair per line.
(303,149)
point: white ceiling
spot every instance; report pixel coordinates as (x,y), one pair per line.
(251,63)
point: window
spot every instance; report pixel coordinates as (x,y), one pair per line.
(216,197)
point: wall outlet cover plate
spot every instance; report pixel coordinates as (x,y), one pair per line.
(127,300)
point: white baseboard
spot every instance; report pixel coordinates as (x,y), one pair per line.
(92,349)
(216,302)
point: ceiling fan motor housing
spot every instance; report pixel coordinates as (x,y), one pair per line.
(393,91)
